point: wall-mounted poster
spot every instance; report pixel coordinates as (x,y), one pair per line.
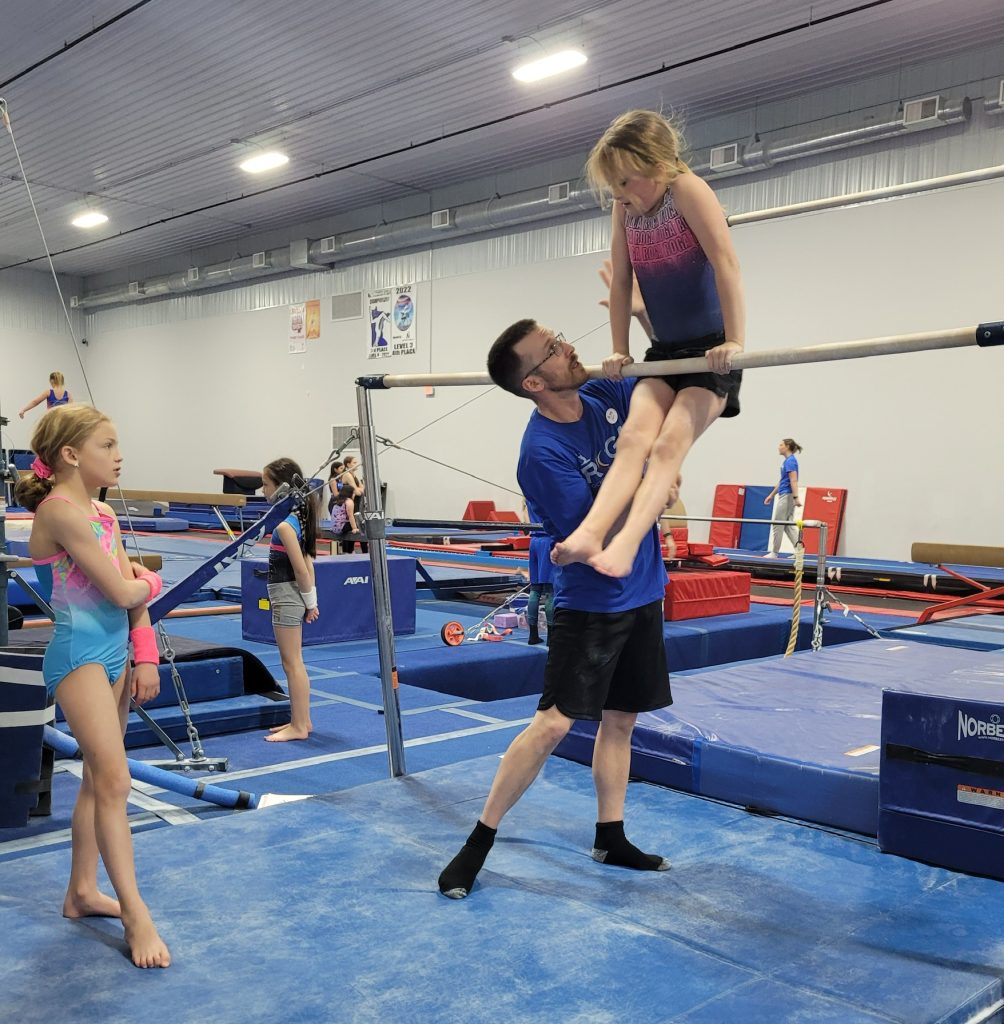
(313,319)
(297,329)
(392,322)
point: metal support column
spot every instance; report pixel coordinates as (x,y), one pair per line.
(374,526)
(819,606)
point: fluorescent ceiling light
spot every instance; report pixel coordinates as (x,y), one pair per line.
(547,66)
(91,219)
(264,162)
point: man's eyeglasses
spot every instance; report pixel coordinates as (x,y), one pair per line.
(554,348)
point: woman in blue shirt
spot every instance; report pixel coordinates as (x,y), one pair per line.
(787,495)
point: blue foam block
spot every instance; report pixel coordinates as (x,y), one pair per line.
(941,795)
(755,536)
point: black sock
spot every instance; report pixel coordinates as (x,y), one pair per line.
(534,636)
(613,847)
(458,876)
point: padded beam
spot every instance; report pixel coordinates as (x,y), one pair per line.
(956,554)
(184,497)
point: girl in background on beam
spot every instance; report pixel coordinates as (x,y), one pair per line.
(337,468)
(99,599)
(56,395)
(787,495)
(670,231)
(292,593)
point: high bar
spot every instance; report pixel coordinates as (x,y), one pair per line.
(981,335)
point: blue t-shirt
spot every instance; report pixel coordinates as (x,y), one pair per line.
(790,465)
(561,467)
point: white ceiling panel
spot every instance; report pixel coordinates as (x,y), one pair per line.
(144,110)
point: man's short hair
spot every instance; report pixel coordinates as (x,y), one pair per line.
(505,367)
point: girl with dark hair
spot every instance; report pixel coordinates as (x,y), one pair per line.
(292,592)
(787,495)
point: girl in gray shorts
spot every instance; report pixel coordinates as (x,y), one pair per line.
(292,594)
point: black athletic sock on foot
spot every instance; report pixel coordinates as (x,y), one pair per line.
(613,847)
(458,876)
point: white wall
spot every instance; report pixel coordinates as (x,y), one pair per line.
(915,439)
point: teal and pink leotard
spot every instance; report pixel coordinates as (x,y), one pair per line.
(89,628)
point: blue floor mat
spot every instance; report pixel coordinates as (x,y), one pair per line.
(287,914)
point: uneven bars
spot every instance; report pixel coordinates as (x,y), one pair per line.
(981,335)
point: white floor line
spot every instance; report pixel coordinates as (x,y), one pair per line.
(63,836)
(140,795)
(468,714)
(347,755)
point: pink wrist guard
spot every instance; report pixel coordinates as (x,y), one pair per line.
(153,581)
(144,645)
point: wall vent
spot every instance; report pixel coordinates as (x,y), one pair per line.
(328,244)
(135,288)
(74,301)
(725,158)
(258,260)
(441,218)
(347,307)
(193,275)
(558,193)
(340,434)
(921,111)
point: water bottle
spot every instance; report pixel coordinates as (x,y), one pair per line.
(542,622)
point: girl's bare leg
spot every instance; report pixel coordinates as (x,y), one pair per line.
(290,641)
(92,709)
(693,411)
(650,403)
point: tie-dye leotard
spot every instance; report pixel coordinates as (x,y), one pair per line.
(89,628)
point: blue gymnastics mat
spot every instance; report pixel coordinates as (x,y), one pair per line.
(975,632)
(798,736)
(327,910)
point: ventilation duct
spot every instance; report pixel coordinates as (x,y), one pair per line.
(760,155)
(494,214)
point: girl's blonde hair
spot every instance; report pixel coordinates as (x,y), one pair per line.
(638,142)
(61,426)
(56,378)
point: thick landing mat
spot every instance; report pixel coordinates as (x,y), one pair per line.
(327,911)
(797,736)
(976,632)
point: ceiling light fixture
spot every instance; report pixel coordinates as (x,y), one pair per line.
(555,64)
(264,162)
(91,219)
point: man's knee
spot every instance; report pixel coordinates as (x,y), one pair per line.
(551,726)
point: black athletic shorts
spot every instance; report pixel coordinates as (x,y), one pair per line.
(606,661)
(726,385)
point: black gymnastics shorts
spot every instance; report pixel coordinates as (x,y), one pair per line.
(726,385)
(606,661)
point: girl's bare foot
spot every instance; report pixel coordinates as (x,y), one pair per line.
(616,559)
(92,904)
(146,947)
(580,546)
(286,733)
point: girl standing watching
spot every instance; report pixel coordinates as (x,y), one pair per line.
(292,594)
(99,600)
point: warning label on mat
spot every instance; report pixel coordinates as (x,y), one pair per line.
(983,797)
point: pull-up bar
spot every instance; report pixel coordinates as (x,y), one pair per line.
(982,335)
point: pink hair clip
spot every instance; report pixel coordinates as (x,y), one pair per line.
(40,469)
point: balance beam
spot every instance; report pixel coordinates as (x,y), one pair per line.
(956,554)
(183,497)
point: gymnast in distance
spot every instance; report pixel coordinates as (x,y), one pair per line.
(668,231)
